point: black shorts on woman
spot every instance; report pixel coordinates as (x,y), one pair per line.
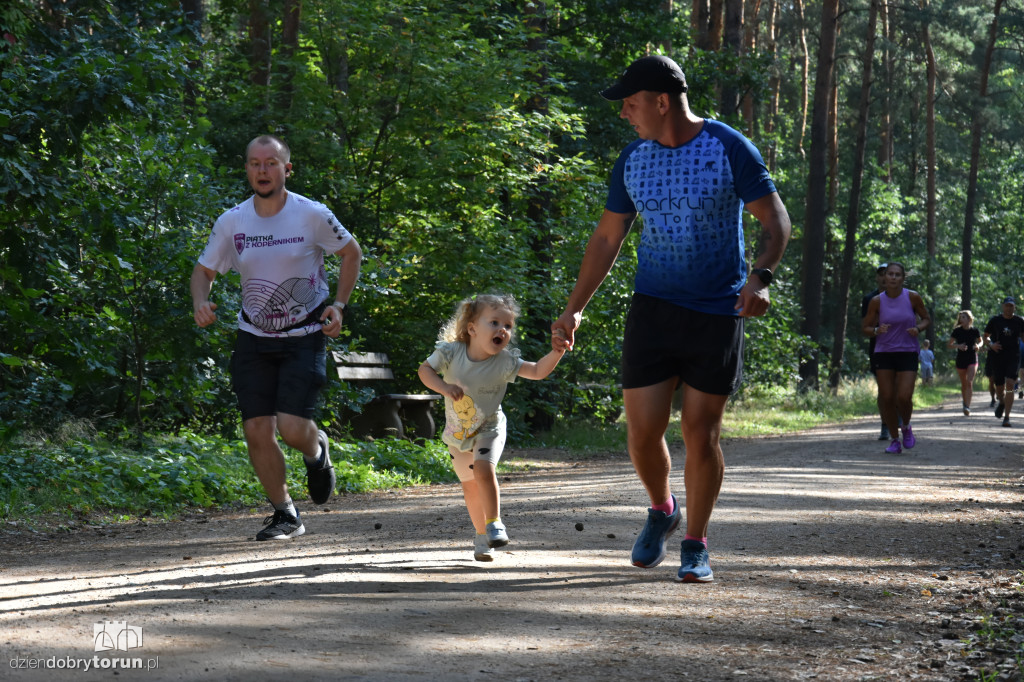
(663,341)
(900,361)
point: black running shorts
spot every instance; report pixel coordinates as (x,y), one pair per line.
(905,361)
(1005,366)
(663,340)
(271,375)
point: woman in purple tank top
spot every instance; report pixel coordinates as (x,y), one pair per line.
(895,318)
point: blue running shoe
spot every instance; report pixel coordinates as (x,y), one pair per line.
(696,566)
(649,548)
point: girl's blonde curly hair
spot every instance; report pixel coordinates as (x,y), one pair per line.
(469,309)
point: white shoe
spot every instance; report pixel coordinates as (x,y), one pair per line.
(496,536)
(481,550)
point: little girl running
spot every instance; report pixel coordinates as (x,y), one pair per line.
(471,367)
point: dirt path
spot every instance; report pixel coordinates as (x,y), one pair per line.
(833,561)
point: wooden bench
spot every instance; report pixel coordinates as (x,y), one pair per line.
(388,413)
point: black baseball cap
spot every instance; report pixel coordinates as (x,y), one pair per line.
(1009,299)
(654,73)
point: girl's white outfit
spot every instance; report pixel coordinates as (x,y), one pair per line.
(475,423)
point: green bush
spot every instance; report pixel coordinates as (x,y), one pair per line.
(164,475)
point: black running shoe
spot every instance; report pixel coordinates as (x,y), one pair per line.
(321,479)
(281,526)
(999,410)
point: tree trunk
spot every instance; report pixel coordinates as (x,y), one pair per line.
(805,70)
(715,25)
(259,43)
(930,170)
(700,19)
(817,195)
(289,46)
(538,209)
(853,211)
(733,44)
(885,146)
(774,84)
(972,182)
(666,45)
(833,143)
(750,44)
(194,13)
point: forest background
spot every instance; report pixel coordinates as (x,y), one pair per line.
(467,148)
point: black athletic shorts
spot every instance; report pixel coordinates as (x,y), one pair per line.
(965,358)
(898,362)
(1005,366)
(663,340)
(271,375)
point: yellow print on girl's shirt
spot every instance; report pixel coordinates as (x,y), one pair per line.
(465,410)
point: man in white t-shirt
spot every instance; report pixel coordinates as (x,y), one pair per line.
(276,240)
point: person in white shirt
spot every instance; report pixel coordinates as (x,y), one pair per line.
(277,240)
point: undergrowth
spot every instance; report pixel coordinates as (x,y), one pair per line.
(163,475)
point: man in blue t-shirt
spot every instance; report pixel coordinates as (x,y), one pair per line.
(690,178)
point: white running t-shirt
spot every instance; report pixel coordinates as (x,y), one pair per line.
(280,260)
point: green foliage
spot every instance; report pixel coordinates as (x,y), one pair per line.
(151,477)
(106,164)
(467,150)
(773,345)
(163,475)
(390,463)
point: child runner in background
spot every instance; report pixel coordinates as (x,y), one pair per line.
(927,358)
(471,367)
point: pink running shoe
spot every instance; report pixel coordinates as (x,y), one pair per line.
(894,447)
(908,437)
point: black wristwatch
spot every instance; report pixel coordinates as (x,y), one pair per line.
(763,274)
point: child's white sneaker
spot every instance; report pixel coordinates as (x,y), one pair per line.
(496,536)
(481,550)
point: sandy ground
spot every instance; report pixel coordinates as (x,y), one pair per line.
(832,560)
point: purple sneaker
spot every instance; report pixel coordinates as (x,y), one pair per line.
(894,447)
(908,437)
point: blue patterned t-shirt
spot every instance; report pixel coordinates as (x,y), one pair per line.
(691,198)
